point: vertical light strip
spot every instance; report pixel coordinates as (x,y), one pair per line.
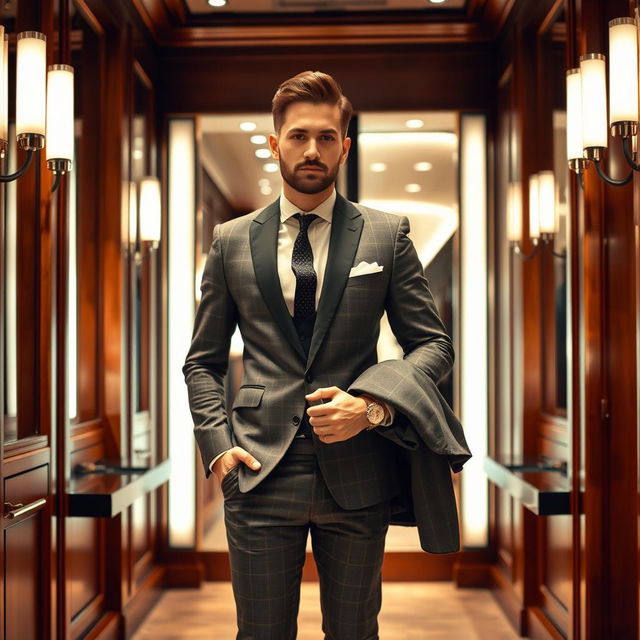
(180,314)
(11,257)
(473,348)
(72,300)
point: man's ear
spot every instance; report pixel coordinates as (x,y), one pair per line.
(346,145)
(273,145)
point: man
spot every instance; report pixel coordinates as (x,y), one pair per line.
(307,279)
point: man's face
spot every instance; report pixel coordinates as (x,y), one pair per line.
(309,146)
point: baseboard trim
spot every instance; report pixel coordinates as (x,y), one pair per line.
(145,598)
(508,600)
(475,575)
(540,626)
(184,575)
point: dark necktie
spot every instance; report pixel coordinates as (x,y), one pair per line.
(304,303)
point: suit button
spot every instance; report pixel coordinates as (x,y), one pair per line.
(309,377)
(296,420)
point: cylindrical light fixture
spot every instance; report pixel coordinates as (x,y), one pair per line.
(150,209)
(623,76)
(575,149)
(133,212)
(534,207)
(60,136)
(514,213)
(594,104)
(547,202)
(31,88)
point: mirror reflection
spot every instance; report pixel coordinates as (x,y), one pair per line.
(407,164)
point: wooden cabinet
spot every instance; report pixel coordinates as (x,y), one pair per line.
(25,545)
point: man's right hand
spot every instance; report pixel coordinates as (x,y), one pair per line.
(232,458)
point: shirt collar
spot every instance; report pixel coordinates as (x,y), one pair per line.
(324,209)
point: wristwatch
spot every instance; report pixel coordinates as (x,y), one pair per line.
(375,414)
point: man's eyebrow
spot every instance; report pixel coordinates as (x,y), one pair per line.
(301,130)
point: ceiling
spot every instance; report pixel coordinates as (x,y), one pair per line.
(202,7)
(251,23)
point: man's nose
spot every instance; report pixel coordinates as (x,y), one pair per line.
(311,151)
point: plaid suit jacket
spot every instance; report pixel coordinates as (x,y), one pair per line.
(240,286)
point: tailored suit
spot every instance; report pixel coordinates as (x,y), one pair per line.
(240,287)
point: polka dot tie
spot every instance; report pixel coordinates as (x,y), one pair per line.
(304,303)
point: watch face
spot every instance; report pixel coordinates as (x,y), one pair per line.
(375,414)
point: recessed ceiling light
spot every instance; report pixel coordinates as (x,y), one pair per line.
(264,182)
(270,167)
(414,124)
(378,167)
(437,1)
(423,166)
(258,139)
(263,153)
(217,3)
(412,188)
(248,126)
(265,191)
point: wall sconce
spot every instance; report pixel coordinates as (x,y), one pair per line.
(544,222)
(587,102)
(36,105)
(145,205)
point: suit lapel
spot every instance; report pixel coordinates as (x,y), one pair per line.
(346,228)
(263,239)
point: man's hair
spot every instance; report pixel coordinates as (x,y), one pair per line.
(310,86)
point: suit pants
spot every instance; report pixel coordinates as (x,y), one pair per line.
(267,531)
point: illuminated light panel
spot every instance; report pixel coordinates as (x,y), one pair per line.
(473,346)
(181,313)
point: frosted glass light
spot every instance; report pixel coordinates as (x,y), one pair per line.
(574,115)
(31,82)
(133,211)
(150,209)
(60,112)
(534,207)
(623,70)
(547,201)
(514,212)
(594,100)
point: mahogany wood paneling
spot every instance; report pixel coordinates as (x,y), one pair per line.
(433,78)
(87,57)
(527,573)
(610,436)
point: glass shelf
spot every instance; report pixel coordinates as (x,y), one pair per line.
(104,495)
(540,484)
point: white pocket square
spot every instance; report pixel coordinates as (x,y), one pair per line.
(364,267)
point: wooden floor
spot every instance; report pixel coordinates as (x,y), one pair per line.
(410,611)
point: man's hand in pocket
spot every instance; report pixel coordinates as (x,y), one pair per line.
(232,458)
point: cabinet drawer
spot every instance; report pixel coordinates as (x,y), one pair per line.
(26,488)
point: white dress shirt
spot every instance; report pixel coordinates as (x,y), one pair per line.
(319,233)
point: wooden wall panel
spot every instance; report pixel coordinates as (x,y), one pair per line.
(438,78)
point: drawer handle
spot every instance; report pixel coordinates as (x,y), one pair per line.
(19,509)
(143,453)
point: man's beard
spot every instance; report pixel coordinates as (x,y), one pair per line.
(321,180)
